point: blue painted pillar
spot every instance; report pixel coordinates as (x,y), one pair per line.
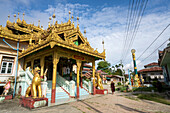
(129,77)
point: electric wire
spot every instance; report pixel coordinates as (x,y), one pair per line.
(153,51)
(143,6)
(154,41)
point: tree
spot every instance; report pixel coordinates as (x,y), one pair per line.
(104,66)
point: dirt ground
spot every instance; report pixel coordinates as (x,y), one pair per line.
(117,103)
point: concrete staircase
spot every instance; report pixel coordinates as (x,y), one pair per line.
(60,93)
(82,92)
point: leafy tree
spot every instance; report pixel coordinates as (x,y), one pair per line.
(104,66)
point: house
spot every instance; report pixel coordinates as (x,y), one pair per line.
(164,62)
(151,71)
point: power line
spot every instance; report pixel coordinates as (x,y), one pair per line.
(126,51)
(154,50)
(129,28)
(128,21)
(136,26)
(154,40)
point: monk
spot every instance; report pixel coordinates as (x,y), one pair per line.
(112,87)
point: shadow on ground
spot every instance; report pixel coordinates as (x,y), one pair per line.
(91,107)
(128,108)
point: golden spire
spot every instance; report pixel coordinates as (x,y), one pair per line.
(103,44)
(84,33)
(23,16)
(77,20)
(72,18)
(18,14)
(14,17)
(53,16)
(69,14)
(42,27)
(8,17)
(38,23)
(49,22)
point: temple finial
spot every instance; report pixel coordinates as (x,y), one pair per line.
(72,18)
(69,14)
(77,21)
(103,44)
(38,23)
(84,32)
(53,16)
(42,27)
(23,16)
(18,14)
(8,17)
(14,17)
(49,22)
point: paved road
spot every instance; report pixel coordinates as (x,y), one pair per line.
(116,103)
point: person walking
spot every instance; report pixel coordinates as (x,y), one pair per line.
(112,87)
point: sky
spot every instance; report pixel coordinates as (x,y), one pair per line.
(103,20)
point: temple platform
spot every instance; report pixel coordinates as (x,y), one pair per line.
(101,91)
(32,103)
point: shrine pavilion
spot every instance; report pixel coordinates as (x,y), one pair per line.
(58,46)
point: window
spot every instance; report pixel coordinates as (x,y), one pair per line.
(7,64)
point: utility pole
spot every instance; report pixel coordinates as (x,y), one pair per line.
(122,73)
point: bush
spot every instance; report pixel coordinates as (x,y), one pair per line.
(118,83)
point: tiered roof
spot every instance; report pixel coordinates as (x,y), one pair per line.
(64,35)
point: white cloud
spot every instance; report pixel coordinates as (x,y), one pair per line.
(108,24)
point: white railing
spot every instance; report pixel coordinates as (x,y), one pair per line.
(85,84)
(63,83)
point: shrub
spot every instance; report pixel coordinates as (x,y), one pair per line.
(118,83)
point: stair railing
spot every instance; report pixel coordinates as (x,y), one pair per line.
(66,85)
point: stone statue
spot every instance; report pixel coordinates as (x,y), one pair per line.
(36,85)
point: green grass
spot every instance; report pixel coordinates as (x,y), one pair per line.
(132,98)
(145,89)
(154,97)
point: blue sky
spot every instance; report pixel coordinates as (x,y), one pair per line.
(102,19)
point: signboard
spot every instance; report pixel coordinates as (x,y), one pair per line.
(78,57)
(40,103)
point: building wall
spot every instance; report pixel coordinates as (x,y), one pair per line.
(4,77)
(152,75)
(7,51)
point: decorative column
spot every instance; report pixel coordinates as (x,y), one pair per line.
(55,62)
(42,67)
(81,81)
(135,68)
(71,68)
(93,68)
(78,69)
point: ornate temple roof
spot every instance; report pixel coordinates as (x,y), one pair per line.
(65,35)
